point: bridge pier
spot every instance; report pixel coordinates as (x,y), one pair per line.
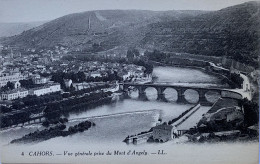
(202,98)
(160,94)
(181,96)
(142,94)
(161,97)
(126,95)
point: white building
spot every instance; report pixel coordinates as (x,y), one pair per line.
(67,82)
(14,94)
(40,80)
(10,76)
(55,87)
(95,74)
(50,88)
(80,86)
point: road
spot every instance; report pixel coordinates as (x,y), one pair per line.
(245,91)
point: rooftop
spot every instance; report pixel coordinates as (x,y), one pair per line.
(163,127)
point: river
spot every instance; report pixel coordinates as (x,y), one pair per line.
(124,117)
(132,122)
(185,76)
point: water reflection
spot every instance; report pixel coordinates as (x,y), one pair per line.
(151,93)
(170,94)
(191,96)
(212,96)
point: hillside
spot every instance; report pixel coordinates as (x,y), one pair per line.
(109,28)
(233,31)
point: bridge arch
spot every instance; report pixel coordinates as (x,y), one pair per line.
(212,96)
(192,96)
(133,93)
(185,94)
(170,94)
(151,93)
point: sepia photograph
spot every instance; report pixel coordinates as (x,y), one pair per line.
(129,81)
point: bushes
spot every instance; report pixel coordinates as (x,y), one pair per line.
(180,116)
(53,110)
(81,127)
(251,110)
(86,90)
(46,123)
(52,132)
(32,100)
(4,109)
(237,80)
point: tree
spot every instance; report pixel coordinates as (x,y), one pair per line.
(251,110)
(46,123)
(10,85)
(72,88)
(52,111)
(237,79)
(4,109)
(26,83)
(81,76)
(132,53)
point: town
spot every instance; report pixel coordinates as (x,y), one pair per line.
(37,86)
(45,73)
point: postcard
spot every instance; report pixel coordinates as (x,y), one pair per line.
(129,81)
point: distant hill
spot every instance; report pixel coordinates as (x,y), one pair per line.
(109,28)
(11,29)
(232,31)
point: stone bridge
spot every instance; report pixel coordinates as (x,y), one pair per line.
(125,87)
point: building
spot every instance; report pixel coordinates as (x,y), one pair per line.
(67,82)
(95,74)
(47,89)
(39,91)
(163,133)
(55,87)
(17,84)
(10,76)
(14,94)
(80,86)
(40,80)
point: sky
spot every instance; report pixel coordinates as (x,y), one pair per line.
(44,10)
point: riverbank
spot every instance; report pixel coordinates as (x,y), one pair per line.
(113,128)
(52,132)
